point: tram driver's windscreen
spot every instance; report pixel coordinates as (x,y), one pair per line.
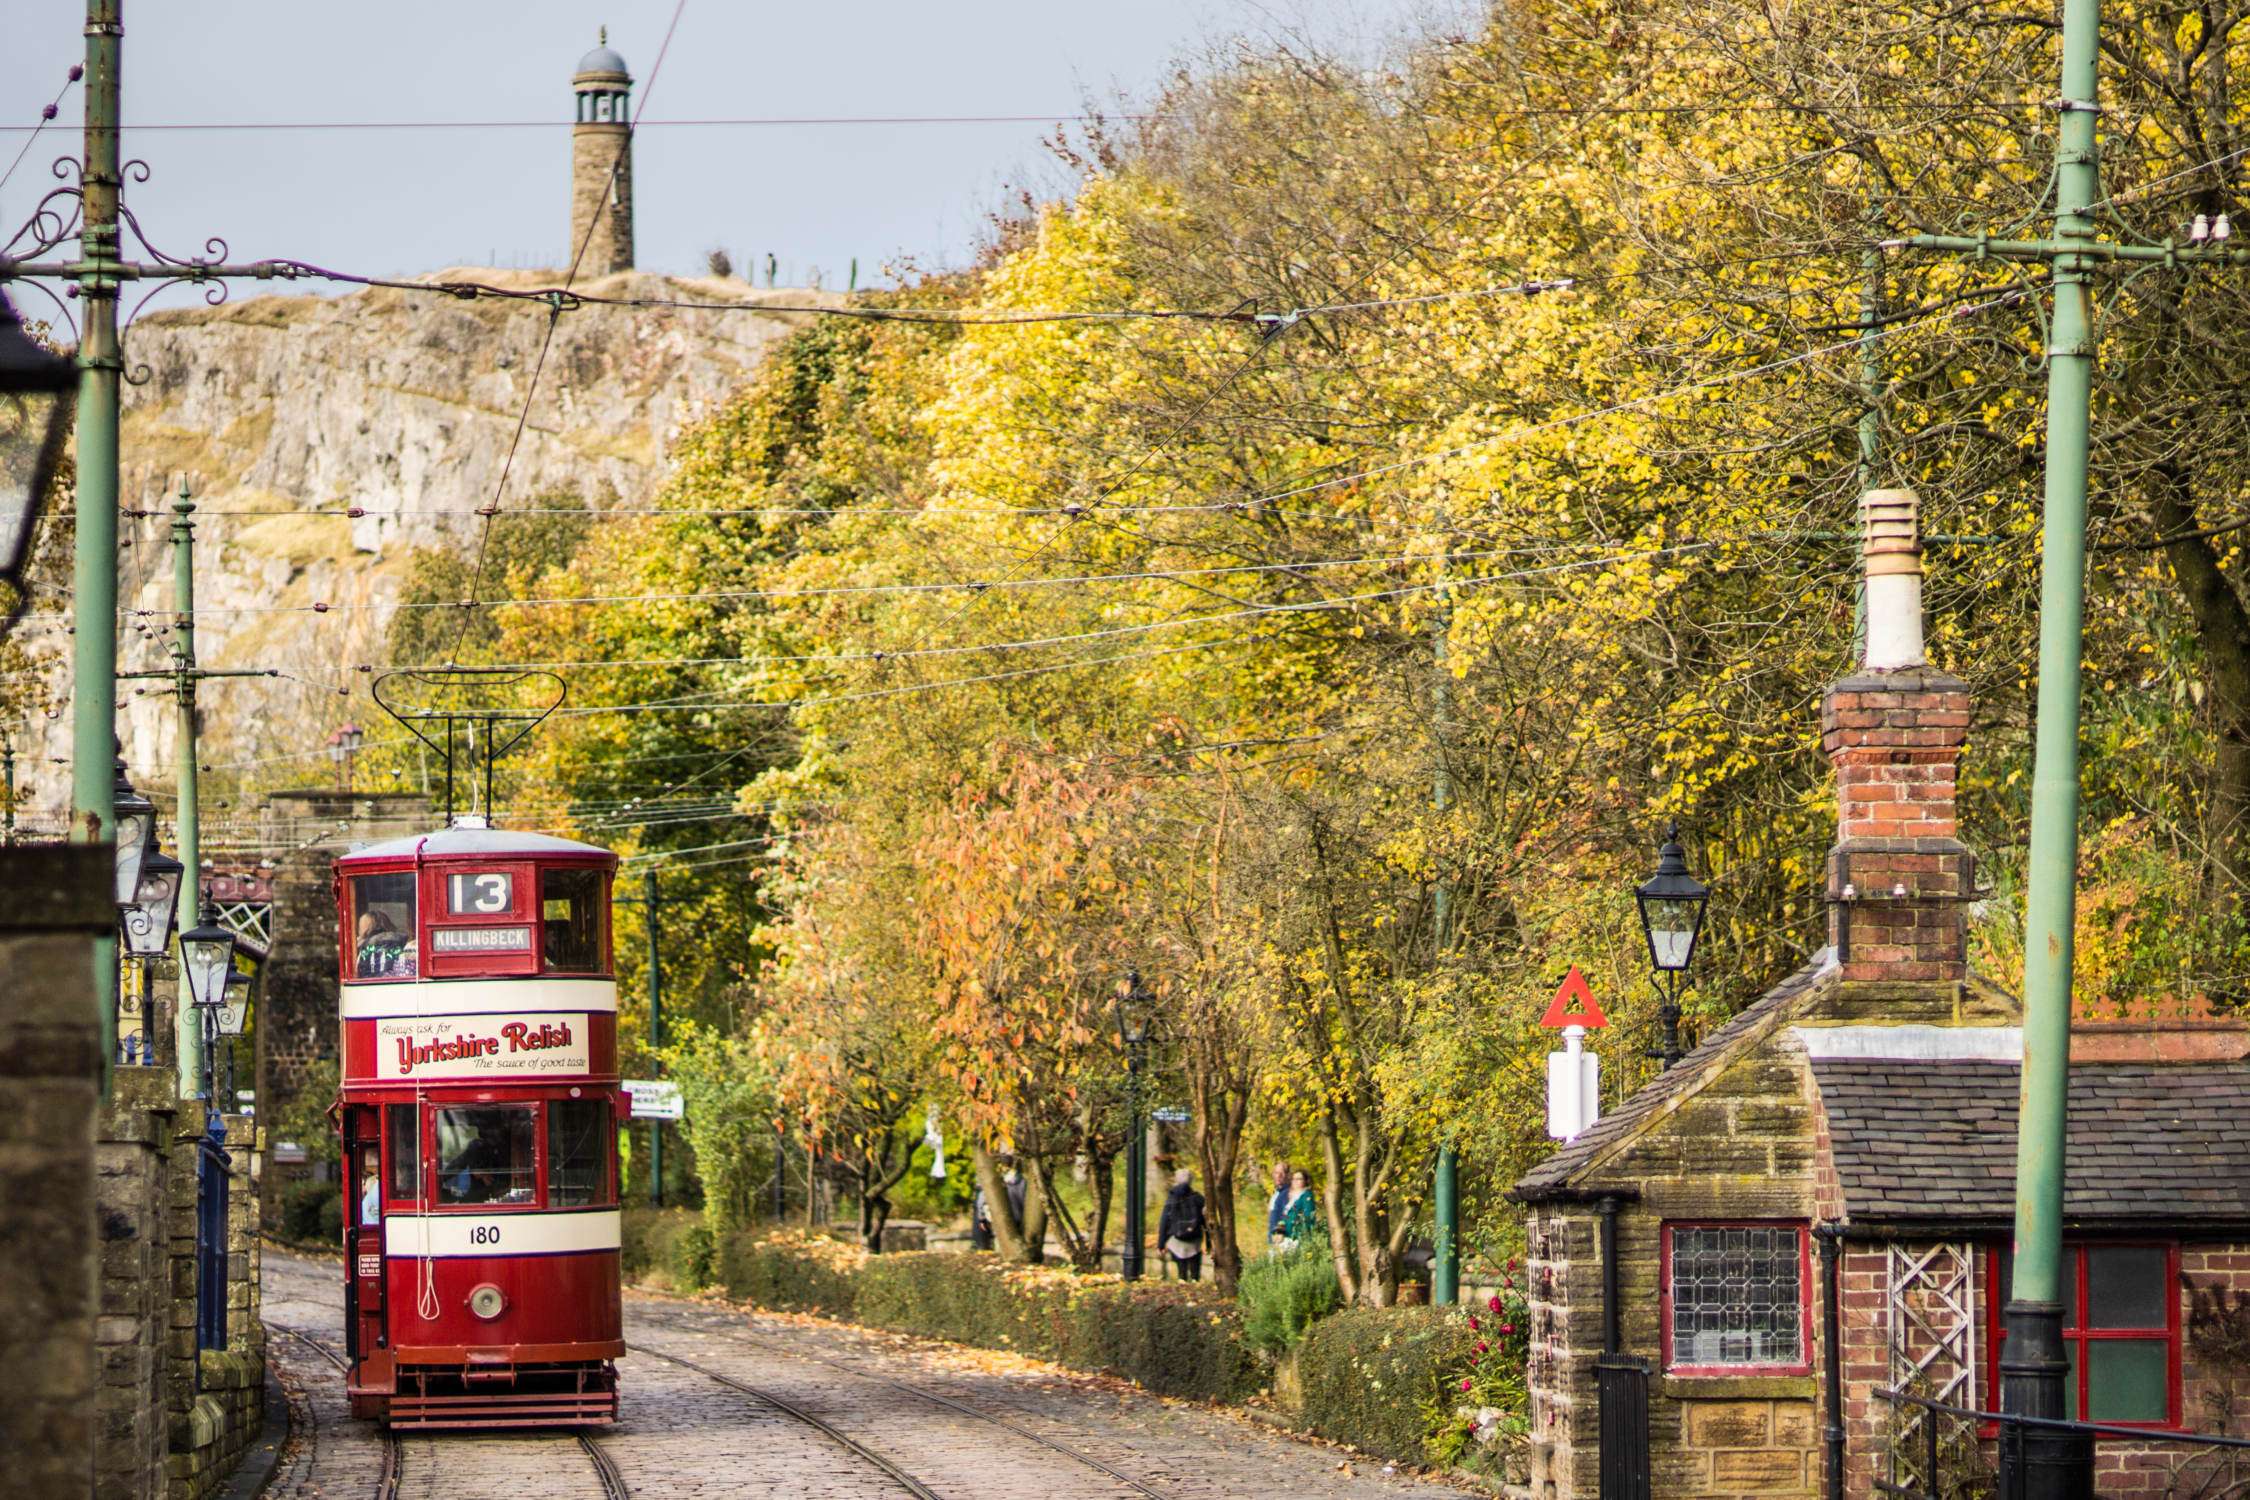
(486,1154)
(383,926)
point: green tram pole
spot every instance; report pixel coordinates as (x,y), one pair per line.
(1445,1189)
(187,1027)
(2033,1366)
(655,1036)
(93,654)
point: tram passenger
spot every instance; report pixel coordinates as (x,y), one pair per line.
(371,1198)
(384,952)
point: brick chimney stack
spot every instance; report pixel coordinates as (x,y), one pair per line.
(1898,878)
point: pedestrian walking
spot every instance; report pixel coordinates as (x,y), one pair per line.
(980,1221)
(1278,1204)
(1180,1229)
(1300,1217)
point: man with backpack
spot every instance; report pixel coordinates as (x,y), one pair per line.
(1180,1230)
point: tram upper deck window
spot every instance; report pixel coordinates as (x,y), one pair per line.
(579,1144)
(383,926)
(570,920)
(487,1153)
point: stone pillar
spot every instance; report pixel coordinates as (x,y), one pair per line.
(134,1157)
(53,901)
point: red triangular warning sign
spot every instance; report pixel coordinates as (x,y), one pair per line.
(1574,1005)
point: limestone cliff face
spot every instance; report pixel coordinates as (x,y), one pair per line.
(401,405)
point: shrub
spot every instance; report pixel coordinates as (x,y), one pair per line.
(1371,1375)
(1286,1292)
(788,1272)
(1174,1339)
(657,1246)
(312,1213)
(1479,1421)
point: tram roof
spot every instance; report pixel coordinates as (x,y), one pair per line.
(473,843)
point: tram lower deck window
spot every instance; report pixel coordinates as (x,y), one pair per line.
(487,1153)
(578,1150)
(383,926)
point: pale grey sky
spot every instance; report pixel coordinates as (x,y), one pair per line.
(390,201)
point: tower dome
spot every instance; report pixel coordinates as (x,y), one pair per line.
(601,63)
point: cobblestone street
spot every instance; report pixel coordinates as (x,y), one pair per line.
(718,1401)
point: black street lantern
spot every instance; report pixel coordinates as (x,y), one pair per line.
(156,906)
(35,407)
(1672,903)
(1135,1006)
(136,835)
(206,959)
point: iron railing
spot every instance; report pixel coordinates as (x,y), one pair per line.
(2209,1466)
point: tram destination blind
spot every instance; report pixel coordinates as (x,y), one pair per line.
(482,894)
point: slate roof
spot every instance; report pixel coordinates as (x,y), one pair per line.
(1553,1177)
(1924,1140)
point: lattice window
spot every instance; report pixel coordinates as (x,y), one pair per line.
(252,919)
(1734,1296)
(1930,1307)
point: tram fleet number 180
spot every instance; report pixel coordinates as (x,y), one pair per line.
(479,1109)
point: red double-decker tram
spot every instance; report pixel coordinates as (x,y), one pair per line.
(479,1109)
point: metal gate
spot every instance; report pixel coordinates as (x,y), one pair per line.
(1622,1382)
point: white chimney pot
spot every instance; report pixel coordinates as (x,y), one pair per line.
(1891,552)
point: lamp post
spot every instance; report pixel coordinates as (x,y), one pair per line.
(1133,1006)
(1672,903)
(206,961)
(149,922)
(34,420)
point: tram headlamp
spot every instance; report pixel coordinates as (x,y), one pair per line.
(487,1302)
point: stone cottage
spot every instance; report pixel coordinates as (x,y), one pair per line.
(1814,1206)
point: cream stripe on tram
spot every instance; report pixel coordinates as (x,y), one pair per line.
(475,997)
(449,1236)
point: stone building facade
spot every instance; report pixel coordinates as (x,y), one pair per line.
(1832,1172)
(601,164)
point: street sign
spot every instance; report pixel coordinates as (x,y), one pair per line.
(1169,1115)
(1573,1005)
(654,1099)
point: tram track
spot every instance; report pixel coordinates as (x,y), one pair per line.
(949,1403)
(387,1487)
(827,1429)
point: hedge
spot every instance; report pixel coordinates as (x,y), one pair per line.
(1370,1376)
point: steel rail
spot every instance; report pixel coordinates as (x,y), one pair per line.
(605,1469)
(960,1406)
(913,1486)
(386,1487)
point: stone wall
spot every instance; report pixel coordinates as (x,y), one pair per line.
(173,1419)
(53,903)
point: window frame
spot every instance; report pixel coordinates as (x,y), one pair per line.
(1802,1366)
(415,1112)
(536,1107)
(2075,1258)
(605,1146)
(347,963)
(604,966)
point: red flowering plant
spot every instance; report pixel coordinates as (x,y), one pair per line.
(1484,1409)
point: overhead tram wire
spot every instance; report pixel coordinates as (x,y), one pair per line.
(1250,501)
(47,114)
(1064,117)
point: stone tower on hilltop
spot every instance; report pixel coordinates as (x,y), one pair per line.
(601,164)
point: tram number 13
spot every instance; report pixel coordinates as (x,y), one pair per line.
(484,1234)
